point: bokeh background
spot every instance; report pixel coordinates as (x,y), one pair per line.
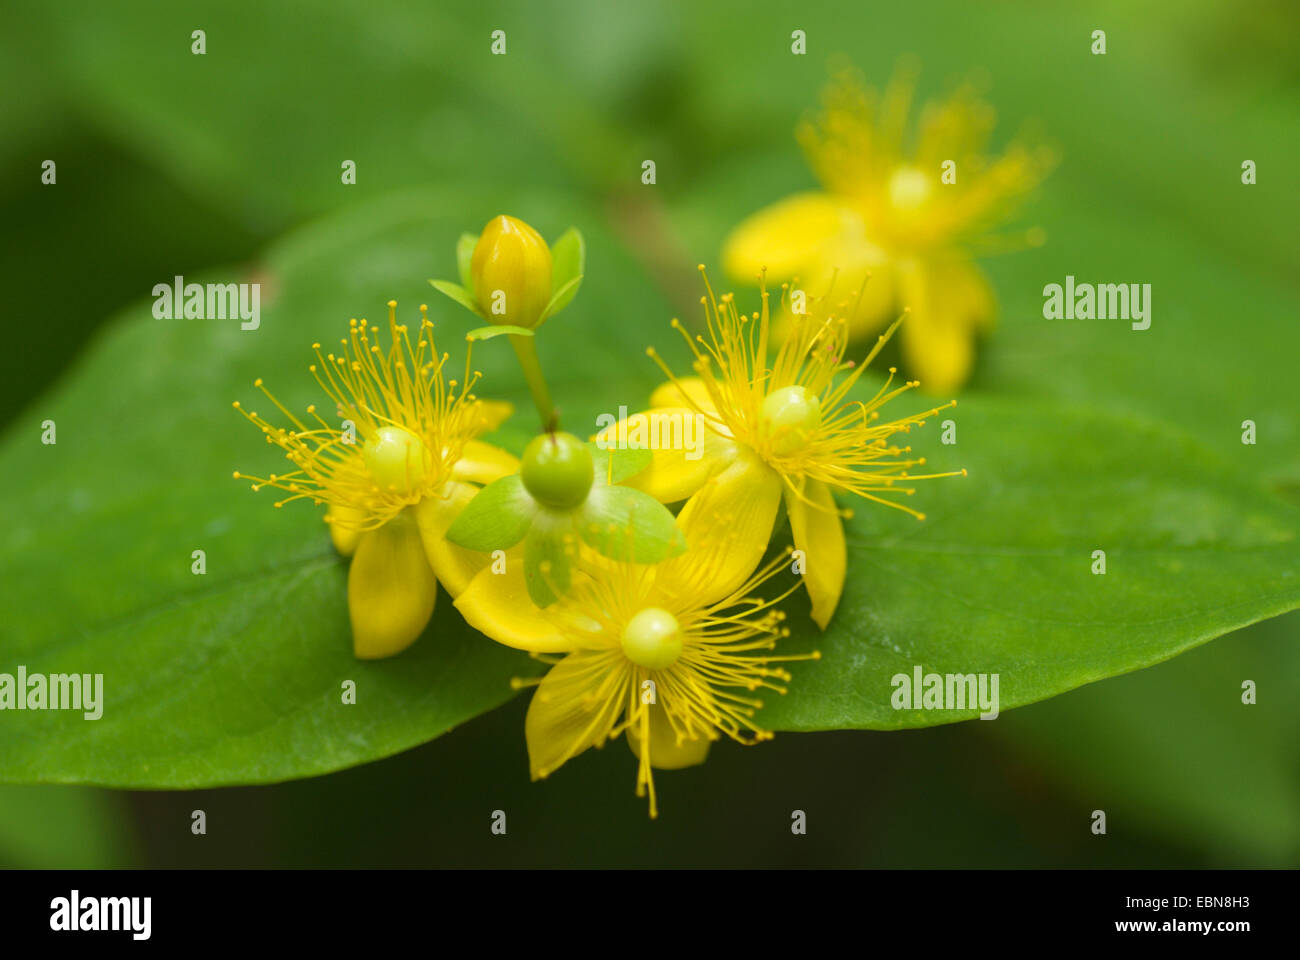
(173,164)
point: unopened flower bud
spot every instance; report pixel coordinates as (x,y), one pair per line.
(511,269)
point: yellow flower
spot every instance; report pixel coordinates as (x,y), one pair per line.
(393,473)
(779,422)
(664,654)
(908,211)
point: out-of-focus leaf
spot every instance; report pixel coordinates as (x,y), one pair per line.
(62,828)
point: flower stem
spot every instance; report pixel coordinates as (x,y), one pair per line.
(526,351)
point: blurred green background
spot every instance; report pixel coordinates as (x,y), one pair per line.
(174,164)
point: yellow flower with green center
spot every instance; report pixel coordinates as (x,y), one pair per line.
(394,469)
(909,208)
(664,654)
(779,423)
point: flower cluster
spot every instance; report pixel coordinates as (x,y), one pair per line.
(647,575)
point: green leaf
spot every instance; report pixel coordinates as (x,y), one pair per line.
(627,524)
(496,330)
(459,294)
(615,464)
(998,579)
(497,518)
(548,552)
(464,258)
(568,263)
(456,126)
(236,676)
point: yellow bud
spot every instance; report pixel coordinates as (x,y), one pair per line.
(511,269)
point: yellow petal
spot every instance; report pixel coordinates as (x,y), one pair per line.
(482,463)
(727,525)
(878,305)
(858,273)
(454,566)
(972,287)
(785,238)
(391,590)
(665,752)
(491,414)
(819,533)
(938,336)
(564,719)
(498,605)
(674,472)
(677,393)
(342,523)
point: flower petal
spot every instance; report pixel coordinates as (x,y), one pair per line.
(491,414)
(391,590)
(682,393)
(819,534)
(665,752)
(878,305)
(727,525)
(343,533)
(498,605)
(454,566)
(564,717)
(857,274)
(972,287)
(482,463)
(685,455)
(785,238)
(947,300)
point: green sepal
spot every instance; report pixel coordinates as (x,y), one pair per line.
(568,264)
(464,258)
(551,541)
(459,294)
(496,519)
(496,330)
(565,293)
(627,524)
(614,465)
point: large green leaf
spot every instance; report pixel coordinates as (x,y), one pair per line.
(236,676)
(999,578)
(410,94)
